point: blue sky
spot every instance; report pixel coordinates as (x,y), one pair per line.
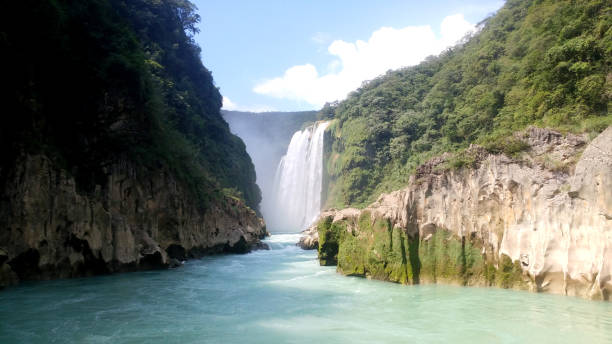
(295,55)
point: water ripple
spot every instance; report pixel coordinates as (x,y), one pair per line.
(284,296)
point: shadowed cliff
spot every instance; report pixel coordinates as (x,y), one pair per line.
(114,155)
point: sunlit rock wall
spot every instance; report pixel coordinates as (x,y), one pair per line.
(541,222)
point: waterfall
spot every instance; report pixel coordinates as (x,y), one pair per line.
(298,181)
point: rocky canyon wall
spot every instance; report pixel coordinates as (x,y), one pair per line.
(137,219)
(541,221)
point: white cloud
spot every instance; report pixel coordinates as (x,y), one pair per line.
(228,104)
(387,48)
(453,29)
(231,106)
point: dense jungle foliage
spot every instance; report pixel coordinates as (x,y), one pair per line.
(90,82)
(535,62)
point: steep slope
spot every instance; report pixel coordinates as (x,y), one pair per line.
(544,63)
(113,152)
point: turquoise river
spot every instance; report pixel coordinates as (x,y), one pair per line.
(284,296)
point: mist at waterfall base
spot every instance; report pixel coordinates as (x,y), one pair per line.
(284,296)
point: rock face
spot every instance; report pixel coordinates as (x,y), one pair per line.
(542,222)
(137,220)
(309,239)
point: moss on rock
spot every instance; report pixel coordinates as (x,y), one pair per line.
(351,256)
(373,248)
(509,274)
(329,238)
(448,258)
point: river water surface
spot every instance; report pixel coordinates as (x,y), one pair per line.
(284,296)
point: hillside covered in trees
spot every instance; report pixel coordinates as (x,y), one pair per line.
(544,63)
(93,82)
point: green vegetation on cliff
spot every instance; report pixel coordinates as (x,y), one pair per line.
(544,63)
(92,82)
(373,248)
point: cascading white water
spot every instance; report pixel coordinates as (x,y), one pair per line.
(298,181)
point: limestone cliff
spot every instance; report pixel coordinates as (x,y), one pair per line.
(138,219)
(541,221)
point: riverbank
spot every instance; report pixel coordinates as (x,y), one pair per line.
(284,296)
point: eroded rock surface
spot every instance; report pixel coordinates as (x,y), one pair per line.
(542,222)
(309,239)
(136,220)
